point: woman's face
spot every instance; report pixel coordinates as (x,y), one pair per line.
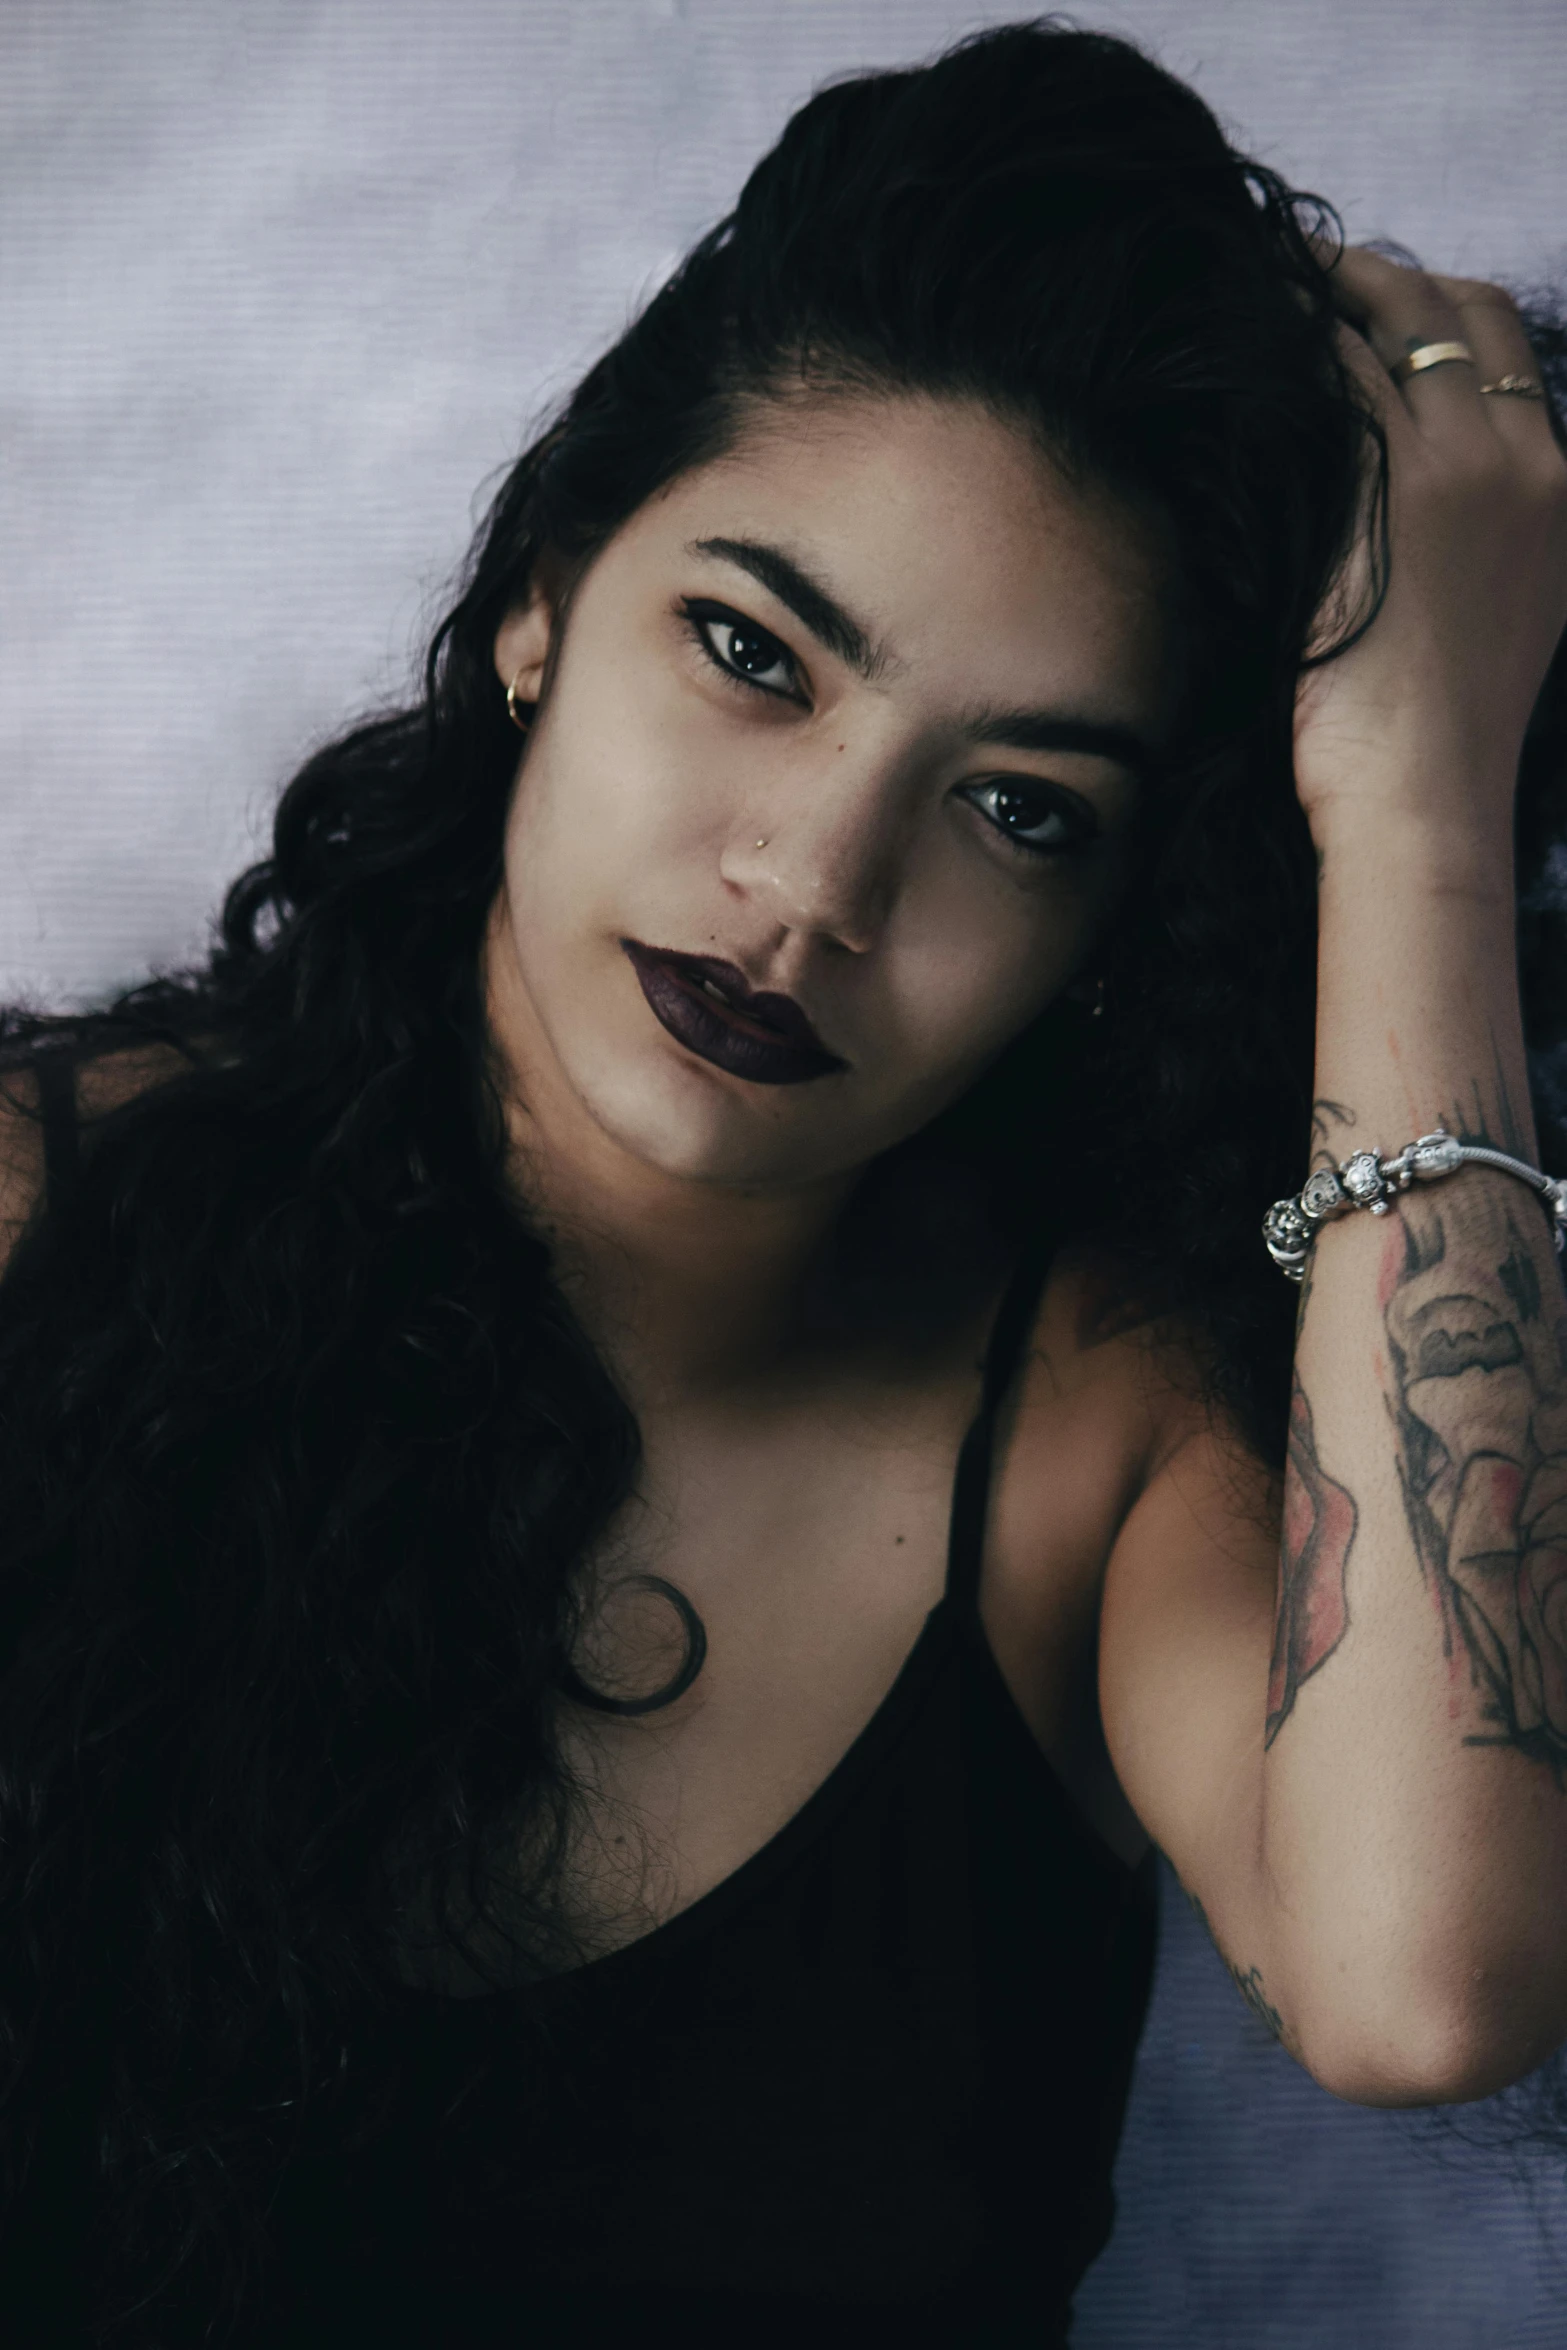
(851,720)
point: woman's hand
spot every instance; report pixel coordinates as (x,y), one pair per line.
(1424,717)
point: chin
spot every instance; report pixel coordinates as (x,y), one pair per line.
(697,1125)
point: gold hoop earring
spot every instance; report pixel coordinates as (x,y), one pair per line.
(520,723)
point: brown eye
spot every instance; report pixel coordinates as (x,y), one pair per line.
(749,651)
(742,650)
(1039,818)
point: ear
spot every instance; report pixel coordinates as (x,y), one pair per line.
(522,646)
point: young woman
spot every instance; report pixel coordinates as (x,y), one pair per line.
(643,1439)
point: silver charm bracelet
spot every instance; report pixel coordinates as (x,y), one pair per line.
(1367,1180)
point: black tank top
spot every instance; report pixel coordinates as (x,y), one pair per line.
(867,2090)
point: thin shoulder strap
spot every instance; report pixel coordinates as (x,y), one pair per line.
(57,1107)
(971,1487)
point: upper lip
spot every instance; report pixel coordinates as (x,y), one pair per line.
(780,1013)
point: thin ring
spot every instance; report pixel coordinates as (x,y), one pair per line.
(1516,387)
(521,724)
(1430,355)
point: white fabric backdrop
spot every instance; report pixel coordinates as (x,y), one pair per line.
(282,281)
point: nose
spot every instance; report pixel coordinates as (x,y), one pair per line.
(822,853)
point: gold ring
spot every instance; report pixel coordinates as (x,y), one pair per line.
(1430,355)
(1516,387)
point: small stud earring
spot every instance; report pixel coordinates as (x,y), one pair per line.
(520,722)
(762,843)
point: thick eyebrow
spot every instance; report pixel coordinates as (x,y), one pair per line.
(812,605)
(1057,730)
(820,611)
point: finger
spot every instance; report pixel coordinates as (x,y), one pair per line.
(1400,311)
(1379,393)
(1494,314)
(1494,332)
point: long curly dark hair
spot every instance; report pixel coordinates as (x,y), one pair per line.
(301,1448)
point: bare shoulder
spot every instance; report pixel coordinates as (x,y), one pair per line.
(1106,1395)
(107,1081)
(102,1081)
(21,1155)
(1103,1363)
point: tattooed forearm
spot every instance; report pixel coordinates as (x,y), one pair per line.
(1477,1349)
(1508,1132)
(1320,1519)
(1476,1369)
(1326,1120)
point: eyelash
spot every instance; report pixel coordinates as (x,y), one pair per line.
(1066,805)
(701,613)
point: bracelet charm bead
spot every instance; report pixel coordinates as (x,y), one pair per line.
(1322,1194)
(1361,1175)
(1367,1180)
(1288,1234)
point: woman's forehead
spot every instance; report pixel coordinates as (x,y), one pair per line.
(937,448)
(937,530)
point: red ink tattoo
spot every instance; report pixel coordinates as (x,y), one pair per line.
(1478,1347)
(1319,1531)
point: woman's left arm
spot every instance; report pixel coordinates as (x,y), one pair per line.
(1382,1847)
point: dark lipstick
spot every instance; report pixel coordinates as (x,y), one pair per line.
(711,1008)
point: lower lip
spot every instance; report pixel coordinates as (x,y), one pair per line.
(694,1019)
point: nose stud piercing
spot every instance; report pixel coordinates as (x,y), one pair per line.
(762,843)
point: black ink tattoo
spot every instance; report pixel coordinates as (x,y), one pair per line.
(1521,1280)
(1320,1519)
(1247,1980)
(1477,1349)
(1473,1125)
(1514,1138)
(1249,1985)
(1325,1115)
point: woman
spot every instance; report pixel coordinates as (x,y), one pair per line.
(533,1803)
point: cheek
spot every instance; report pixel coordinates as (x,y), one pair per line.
(599,809)
(967,968)
(621,784)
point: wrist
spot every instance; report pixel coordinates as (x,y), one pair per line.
(1432,779)
(1416,853)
